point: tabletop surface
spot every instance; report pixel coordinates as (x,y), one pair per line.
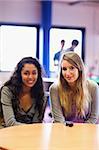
(50,136)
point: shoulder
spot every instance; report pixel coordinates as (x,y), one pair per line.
(92,86)
(6,91)
(58,53)
(54,87)
(6,95)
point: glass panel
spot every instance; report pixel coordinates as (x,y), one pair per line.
(16,42)
(58,34)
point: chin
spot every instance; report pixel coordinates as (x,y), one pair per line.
(70,81)
(30,85)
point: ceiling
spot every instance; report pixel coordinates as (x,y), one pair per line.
(79,2)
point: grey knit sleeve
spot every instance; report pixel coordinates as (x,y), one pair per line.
(55,104)
(8,112)
(94,107)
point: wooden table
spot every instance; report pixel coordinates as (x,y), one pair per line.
(50,136)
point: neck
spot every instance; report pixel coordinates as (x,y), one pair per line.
(72,85)
(26,89)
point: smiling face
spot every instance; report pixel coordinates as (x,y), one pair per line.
(29,75)
(69,72)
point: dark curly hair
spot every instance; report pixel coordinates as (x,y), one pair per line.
(15,84)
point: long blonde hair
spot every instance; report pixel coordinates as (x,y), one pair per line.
(80,94)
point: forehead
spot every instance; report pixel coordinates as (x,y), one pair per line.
(29,67)
(65,63)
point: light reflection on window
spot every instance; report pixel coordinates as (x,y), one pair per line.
(16,42)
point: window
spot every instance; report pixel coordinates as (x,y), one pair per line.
(56,35)
(16,42)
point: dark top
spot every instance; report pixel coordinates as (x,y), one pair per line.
(57,56)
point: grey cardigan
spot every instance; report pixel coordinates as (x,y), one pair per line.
(93,108)
(9,113)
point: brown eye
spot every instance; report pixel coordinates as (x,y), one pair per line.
(64,68)
(34,72)
(72,67)
(26,73)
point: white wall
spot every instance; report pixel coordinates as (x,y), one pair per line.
(29,12)
(4,76)
(20,11)
(80,16)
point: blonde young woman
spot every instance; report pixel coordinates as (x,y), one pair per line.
(74,97)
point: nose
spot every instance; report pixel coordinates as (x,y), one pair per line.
(67,72)
(30,76)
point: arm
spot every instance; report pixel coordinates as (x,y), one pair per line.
(55,104)
(8,112)
(55,60)
(94,108)
(41,117)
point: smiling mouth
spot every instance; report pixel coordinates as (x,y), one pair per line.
(69,78)
(30,82)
